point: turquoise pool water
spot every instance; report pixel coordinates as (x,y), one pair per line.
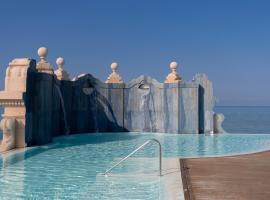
(71,167)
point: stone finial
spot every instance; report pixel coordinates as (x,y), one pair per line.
(43,65)
(173,77)
(114,77)
(60,73)
(42,53)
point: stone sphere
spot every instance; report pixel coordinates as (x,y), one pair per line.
(114,66)
(60,61)
(173,65)
(42,52)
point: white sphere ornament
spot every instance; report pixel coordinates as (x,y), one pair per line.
(60,61)
(114,66)
(42,52)
(173,65)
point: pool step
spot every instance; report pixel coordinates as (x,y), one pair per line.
(143,165)
(141,172)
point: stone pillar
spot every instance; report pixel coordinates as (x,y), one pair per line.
(42,98)
(12,99)
(206,103)
(188,108)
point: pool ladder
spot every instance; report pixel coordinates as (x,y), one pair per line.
(133,152)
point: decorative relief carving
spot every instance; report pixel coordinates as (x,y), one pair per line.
(11,103)
(8,126)
(218,120)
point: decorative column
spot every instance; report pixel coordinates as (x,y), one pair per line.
(173,77)
(60,73)
(43,65)
(114,77)
(13,122)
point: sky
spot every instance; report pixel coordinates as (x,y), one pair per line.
(229,40)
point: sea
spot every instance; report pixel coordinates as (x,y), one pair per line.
(245,119)
(241,119)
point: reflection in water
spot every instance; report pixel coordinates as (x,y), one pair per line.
(13,178)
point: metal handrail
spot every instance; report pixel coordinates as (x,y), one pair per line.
(140,147)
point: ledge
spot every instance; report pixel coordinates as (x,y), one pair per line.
(4,95)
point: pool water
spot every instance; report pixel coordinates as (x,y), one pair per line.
(71,167)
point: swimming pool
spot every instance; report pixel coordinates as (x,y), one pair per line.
(71,167)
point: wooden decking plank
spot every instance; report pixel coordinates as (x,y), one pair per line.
(237,177)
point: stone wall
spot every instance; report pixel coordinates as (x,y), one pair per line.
(142,105)
(40,103)
(151,106)
(89,106)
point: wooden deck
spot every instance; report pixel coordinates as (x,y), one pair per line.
(234,178)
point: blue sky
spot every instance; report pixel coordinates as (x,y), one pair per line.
(229,40)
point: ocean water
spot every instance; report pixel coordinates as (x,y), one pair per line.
(246,119)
